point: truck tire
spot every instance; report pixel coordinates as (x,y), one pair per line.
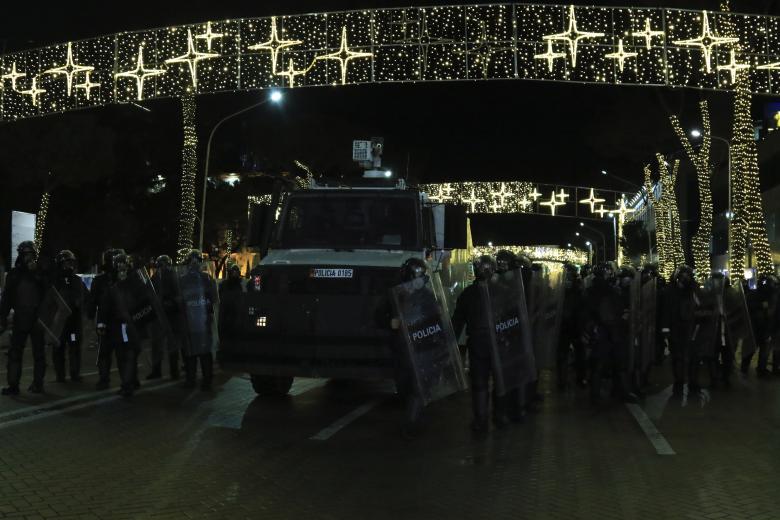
(271,386)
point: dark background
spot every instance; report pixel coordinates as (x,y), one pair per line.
(102,162)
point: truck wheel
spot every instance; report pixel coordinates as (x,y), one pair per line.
(271,386)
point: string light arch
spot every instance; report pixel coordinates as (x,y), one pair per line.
(584,44)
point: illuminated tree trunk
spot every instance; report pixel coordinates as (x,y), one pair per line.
(670,214)
(701,161)
(749,222)
(188,174)
(40,220)
(660,215)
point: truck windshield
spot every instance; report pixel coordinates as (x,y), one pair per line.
(349,222)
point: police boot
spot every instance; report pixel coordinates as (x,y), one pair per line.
(515,401)
(500,418)
(207,368)
(173,361)
(678,370)
(156,372)
(58,357)
(75,362)
(479,401)
(190,369)
(693,376)
(104,371)
(745,366)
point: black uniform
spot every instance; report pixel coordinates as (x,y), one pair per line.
(24,292)
(605,317)
(762,304)
(164,283)
(570,335)
(75,293)
(679,321)
(97,293)
(118,335)
(199,334)
(470,313)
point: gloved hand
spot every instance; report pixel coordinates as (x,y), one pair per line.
(101,329)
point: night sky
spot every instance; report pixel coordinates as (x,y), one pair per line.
(501,130)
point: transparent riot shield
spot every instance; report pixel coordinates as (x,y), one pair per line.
(708,309)
(53,315)
(510,331)
(431,346)
(634,322)
(739,330)
(648,319)
(547,294)
(443,294)
(147,321)
(199,307)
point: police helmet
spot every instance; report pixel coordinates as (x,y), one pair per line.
(193,256)
(163,261)
(233,268)
(522,261)
(604,271)
(484,267)
(27,247)
(413,268)
(63,257)
(684,275)
(505,260)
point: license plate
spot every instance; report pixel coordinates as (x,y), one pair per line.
(332,273)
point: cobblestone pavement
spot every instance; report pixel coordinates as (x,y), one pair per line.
(174,453)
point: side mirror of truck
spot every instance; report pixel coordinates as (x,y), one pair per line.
(455,227)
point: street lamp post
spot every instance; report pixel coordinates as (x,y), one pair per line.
(591,246)
(275,97)
(729,214)
(648,203)
(603,239)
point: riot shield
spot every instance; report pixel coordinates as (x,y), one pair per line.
(199,301)
(510,332)
(53,315)
(147,321)
(429,340)
(634,324)
(547,293)
(443,295)
(647,324)
(739,330)
(708,309)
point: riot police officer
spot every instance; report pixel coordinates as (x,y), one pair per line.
(679,321)
(164,282)
(198,294)
(234,282)
(762,302)
(100,286)
(24,292)
(74,292)
(411,269)
(114,324)
(569,337)
(607,329)
(470,313)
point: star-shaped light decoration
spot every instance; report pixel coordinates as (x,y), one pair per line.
(706,42)
(34,92)
(70,69)
(623,210)
(191,58)
(483,50)
(209,36)
(535,195)
(424,40)
(769,66)
(344,55)
(502,194)
(140,73)
(524,203)
(291,73)
(87,86)
(13,76)
(441,196)
(552,203)
(733,67)
(550,55)
(472,201)
(274,45)
(648,34)
(592,200)
(621,55)
(601,211)
(562,195)
(405,22)
(572,36)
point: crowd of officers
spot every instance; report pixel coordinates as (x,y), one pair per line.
(593,347)
(28,286)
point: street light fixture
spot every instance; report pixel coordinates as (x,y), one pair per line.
(603,238)
(275,97)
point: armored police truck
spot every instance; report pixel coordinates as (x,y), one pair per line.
(318,302)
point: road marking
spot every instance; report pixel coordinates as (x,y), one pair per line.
(334,428)
(658,441)
(53,404)
(95,402)
(301,386)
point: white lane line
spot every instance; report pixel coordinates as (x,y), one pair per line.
(334,428)
(662,447)
(96,402)
(52,404)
